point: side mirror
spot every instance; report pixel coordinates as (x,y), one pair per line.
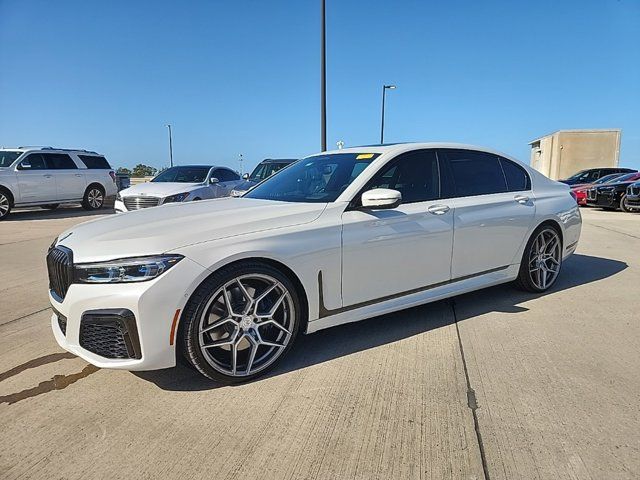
(24,165)
(213,180)
(245,176)
(381,198)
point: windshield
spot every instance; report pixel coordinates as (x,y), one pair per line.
(265,170)
(608,178)
(582,175)
(183,175)
(7,157)
(321,178)
(627,177)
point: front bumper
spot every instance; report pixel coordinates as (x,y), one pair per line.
(119,206)
(633,201)
(606,200)
(153,305)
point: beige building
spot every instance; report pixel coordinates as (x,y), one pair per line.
(565,152)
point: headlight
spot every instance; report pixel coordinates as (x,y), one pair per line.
(139,269)
(237,193)
(180,197)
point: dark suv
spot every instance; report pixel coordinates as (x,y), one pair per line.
(633,196)
(612,196)
(593,174)
(263,170)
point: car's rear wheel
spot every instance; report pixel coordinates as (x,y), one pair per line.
(93,198)
(240,322)
(5,205)
(541,261)
(51,206)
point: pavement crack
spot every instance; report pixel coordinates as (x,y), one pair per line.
(615,231)
(472,401)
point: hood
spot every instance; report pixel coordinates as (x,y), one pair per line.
(159,189)
(612,186)
(244,185)
(161,229)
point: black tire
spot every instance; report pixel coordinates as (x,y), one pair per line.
(93,198)
(51,206)
(525,280)
(6,204)
(623,203)
(205,301)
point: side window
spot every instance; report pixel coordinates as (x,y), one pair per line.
(225,175)
(59,161)
(516,176)
(414,174)
(93,162)
(475,173)
(34,161)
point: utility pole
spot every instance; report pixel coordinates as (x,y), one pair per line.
(170,146)
(384,92)
(240,160)
(323,80)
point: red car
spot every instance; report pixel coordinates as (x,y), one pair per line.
(580,191)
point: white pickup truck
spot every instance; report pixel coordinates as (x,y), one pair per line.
(47,177)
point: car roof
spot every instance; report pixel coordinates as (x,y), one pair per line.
(29,148)
(408,146)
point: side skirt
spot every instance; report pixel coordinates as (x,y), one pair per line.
(419,296)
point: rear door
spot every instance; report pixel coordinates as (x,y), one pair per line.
(392,253)
(36,180)
(494,210)
(70,180)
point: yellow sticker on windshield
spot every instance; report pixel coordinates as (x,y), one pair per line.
(363,156)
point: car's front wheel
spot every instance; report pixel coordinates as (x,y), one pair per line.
(623,203)
(240,322)
(541,261)
(5,205)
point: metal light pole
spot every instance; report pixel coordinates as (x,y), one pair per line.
(323,81)
(384,94)
(170,146)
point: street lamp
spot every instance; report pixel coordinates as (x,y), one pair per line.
(323,77)
(384,93)
(170,146)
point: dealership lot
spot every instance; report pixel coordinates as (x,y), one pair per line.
(496,382)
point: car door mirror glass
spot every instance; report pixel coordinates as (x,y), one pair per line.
(381,198)
(245,176)
(24,165)
(213,180)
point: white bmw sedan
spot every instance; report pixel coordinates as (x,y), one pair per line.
(334,238)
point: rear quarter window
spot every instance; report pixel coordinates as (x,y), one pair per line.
(94,162)
(517,177)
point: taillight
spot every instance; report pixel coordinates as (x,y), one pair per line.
(112,174)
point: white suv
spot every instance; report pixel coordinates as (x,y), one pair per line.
(48,177)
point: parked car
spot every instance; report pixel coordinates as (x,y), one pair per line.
(47,177)
(335,238)
(633,196)
(185,183)
(263,170)
(580,190)
(612,196)
(592,174)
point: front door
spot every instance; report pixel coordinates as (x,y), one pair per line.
(389,253)
(494,210)
(36,180)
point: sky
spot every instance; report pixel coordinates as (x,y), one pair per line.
(243,77)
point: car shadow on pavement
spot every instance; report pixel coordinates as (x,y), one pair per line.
(58,213)
(351,338)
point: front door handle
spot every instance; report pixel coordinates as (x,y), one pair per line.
(47,175)
(438,209)
(521,199)
(78,175)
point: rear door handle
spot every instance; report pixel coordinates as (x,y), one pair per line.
(521,199)
(438,209)
(47,175)
(78,175)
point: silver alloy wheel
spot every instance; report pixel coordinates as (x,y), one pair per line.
(545,258)
(4,205)
(246,325)
(95,198)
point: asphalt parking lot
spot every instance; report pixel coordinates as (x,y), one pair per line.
(497,383)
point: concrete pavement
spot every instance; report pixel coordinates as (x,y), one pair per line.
(496,384)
